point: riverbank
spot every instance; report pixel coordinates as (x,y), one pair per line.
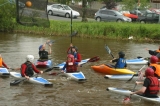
(102,30)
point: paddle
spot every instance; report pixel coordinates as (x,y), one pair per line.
(109,51)
(137,73)
(93,59)
(16,82)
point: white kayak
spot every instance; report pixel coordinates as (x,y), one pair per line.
(35,80)
(4,72)
(127,93)
(140,61)
(60,66)
(76,76)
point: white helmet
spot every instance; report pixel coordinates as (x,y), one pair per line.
(30,58)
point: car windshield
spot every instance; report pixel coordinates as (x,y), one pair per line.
(118,13)
(67,8)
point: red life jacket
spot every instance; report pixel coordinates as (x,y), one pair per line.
(154,85)
(71,67)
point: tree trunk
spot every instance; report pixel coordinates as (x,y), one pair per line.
(84,10)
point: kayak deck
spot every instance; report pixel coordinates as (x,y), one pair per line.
(4,72)
(43,64)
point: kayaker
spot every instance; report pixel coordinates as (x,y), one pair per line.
(155,66)
(76,54)
(43,54)
(150,85)
(2,63)
(153,52)
(71,65)
(28,69)
(121,61)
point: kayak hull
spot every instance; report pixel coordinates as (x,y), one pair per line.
(136,61)
(76,76)
(35,80)
(60,66)
(110,71)
(4,72)
(127,93)
(43,64)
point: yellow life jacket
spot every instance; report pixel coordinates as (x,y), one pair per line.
(157,68)
(1,61)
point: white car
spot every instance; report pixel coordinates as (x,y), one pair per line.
(62,10)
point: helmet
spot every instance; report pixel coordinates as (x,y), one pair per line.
(149,72)
(71,56)
(40,47)
(121,54)
(75,48)
(153,59)
(30,58)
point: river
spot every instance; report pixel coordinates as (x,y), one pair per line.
(15,47)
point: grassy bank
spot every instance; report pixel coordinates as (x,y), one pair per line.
(105,30)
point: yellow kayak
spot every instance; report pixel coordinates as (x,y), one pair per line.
(111,71)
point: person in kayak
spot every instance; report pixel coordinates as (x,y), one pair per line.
(76,54)
(153,52)
(120,62)
(27,69)
(43,54)
(71,65)
(2,63)
(150,85)
(155,66)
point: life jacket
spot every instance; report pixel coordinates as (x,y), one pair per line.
(71,67)
(153,87)
(43,54)
(29,70)
(1,60)
(158,51)
(120,63)
(157,66)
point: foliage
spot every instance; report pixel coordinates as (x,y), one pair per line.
(7,16)
(110,4)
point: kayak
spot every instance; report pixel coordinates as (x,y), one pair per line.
(4,72)
(60,66)
(35,80)
(105,69)
(76,76)
(127,93)
(43,63)
(136,61)
(124,77)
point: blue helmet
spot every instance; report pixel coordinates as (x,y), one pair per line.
(40,47)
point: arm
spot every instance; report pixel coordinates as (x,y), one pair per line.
(49,51)
(78,58)
(114,60)
(64,67)
(141,91)
(5,65)
(23,68)
(35,69)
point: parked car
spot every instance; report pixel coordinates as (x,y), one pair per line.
(62,10)
(155,10)
(149,18)
(110,15)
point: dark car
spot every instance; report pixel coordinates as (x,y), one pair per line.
(149,18)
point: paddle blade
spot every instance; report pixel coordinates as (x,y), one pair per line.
(49,69)
(126,100)
(16,82)
(107,49)
(74,33)
(94,59)
(48,85)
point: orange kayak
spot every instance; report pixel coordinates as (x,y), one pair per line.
(111,71)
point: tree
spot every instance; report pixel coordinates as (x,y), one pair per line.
(110,4)
(84,10)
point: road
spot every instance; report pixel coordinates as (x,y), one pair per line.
(67,19)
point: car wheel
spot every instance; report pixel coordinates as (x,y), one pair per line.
(142,21)
(67,15)
(50,12)
(98,19)
(119,20)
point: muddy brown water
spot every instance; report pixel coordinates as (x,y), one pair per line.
(14,48)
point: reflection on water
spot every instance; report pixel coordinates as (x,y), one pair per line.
(14,48)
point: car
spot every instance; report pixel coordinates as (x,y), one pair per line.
(110,15)
(62,10)
(155,10)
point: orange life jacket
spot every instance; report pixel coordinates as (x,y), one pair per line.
(1,62)
(158,51)
(157,66)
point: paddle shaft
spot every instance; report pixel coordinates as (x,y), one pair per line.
(71,26)
(109,50)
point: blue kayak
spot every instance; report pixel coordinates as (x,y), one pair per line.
(4,72)
(43,63)
(137,61)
